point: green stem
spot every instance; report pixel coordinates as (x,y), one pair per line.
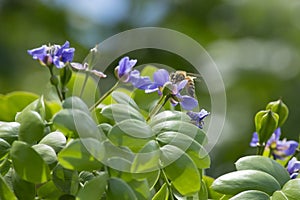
(104,96)
(158,106)
(84,84)
(260,149)
(168,184)
(55,85)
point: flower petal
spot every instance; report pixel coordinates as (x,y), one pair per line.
(254,140)
(188,103)
(160,77)
(140,82)
(38,53)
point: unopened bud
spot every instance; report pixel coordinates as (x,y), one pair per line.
(281,109)
(266,122)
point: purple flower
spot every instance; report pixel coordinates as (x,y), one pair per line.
(280,148)
(53,55)
(162,80)
(293,167)
(140,82)
(124,68)
(197,117)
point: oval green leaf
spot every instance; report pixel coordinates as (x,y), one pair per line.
(169,116)
(82,154)
(23,157)
(251,194)
(120,112)
(119,189)
(93,189)
(32,127)
(56,140)
(46,152)
(291,189)
(75,102)
(264,164)
(24,190)
(182,171)
(9,131)
(239,181)
(122,98)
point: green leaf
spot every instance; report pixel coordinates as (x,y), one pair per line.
(169,116)
(56,140)
(196,151)
(23,189)
(120,112)
(291,189)
(46,152)
(14,102)
(152,177)
(5,166)
(147,159)
(49,191)
(31,128)
(211,193)
(265,123)
(162,194)
(236,182)
(37,106)
(9,131)
(5,191)
(75,103)
(251,194)
(182,171)
(182,127)
(76,123)
(140,188)
(82,154)
(119,189)
(23,157)
(264,164)
(281,109)
(203,193)
(4,148)
(279,195)
(94,188)
(131,133)
(122,98)
(66,180)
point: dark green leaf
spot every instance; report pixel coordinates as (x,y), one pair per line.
(5,166)
(119,189)
(264,164)
(131,133)
(122,98)
(251,194)
(152,177)
(120,112)
(181,170)
(162,194)
(5,191)
(32,127)
(4,148)
(75,103)
(236,182)
(94,188)
(56,140)
(76,123)
(23,189)
(23,157)
(9,131)
(140,188)
(49,191)
(66,180)
(82,154)
(182,127)
(291,189)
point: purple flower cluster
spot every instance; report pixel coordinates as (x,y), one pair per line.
(53,55)
(293,167)
(280,148)
(197,117)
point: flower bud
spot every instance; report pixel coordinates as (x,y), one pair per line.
(281,109)
(266,122)
(65,75)
(54,80)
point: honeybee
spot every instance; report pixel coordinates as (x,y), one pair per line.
(178,76)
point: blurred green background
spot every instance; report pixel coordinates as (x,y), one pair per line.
(255,44)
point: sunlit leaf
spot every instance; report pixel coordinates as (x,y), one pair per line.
(49,191)
(82,154)
(5,191)
(9,131)
(93,189)
(46,152)
(56,140)
(291,189)
(23,156)
(180,169)
(162,194)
